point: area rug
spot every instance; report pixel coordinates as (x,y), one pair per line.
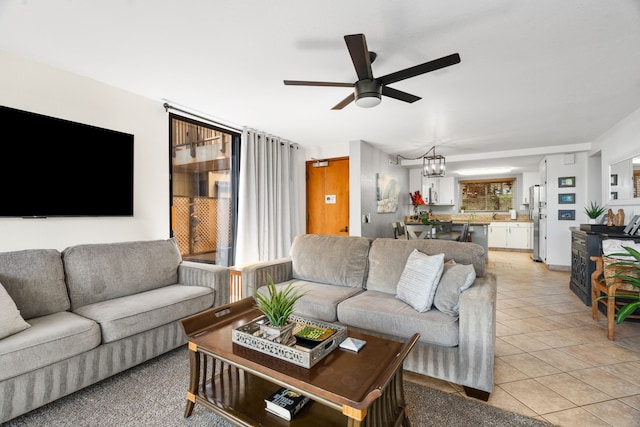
(154,394)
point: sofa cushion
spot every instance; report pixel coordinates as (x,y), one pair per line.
(419,279)
(101,272)
(50,339)
(319,301)
(331,259)
(455,279)
(388,257)
(10,320)
(34,278)
(386,314)
(125,316)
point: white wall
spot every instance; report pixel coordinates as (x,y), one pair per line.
(364,163)
(558,250)
(620,142)
(41,89)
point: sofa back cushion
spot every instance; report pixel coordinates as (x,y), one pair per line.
(388,257)
(34,279)
(103,271)
(331,259)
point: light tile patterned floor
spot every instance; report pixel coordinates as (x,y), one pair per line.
(553,361)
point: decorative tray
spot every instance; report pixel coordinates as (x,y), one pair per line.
(314,340)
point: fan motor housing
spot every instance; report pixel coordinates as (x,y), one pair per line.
(368,88)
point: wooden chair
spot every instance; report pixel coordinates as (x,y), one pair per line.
(399,230)
(604,284)
(418,231)
(444,226)
(464,234)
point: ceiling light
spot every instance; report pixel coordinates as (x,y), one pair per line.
(368,93)
(433,165)
(485,171)
(368,100)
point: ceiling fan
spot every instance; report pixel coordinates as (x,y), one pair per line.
(369,90)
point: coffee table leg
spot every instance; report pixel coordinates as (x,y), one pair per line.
(194,378)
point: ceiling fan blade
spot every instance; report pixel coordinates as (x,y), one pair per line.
(308,83)
(398,94)
(348,100)
(359,52)
(436,64)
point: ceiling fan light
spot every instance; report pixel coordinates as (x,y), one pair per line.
(368,100)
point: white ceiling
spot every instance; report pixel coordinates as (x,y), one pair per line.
(535,76)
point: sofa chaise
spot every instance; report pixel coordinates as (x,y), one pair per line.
(73,318)
(372,285)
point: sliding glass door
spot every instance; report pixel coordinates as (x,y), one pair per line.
(203,167)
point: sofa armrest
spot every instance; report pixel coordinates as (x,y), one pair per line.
(209,275)
(478,328)
(256,274)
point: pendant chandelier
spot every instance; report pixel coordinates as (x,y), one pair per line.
(433,164)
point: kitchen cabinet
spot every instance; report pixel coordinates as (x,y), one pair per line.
(442,190)
(510,235)
(529,179)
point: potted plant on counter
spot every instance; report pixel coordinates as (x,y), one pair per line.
(277,305)
(593,211)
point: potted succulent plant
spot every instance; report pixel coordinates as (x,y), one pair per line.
(277,305)
(629,275)
(593,211)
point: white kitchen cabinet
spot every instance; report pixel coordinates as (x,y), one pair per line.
(528,179)
(442,190)
(510,235)
(498,235)
(447,191)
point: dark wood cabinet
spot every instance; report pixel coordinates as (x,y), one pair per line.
(583,246)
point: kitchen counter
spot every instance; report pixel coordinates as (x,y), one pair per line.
(480,219)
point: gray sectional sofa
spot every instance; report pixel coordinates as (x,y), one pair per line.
(92,311)
(354,281)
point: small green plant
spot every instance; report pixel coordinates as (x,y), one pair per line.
(594,210)
(277,304)
(630,275)
(426,221)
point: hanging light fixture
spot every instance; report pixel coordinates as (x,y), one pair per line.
(434,164)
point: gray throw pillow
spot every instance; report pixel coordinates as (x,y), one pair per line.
(10,320)
(455,279)
(419,279)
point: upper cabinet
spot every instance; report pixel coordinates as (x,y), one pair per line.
(528,179)
(440,191)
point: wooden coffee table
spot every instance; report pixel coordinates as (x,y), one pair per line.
(348,389)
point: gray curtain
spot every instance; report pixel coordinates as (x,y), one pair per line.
(268,197)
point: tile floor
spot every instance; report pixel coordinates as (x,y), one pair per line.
(553,361)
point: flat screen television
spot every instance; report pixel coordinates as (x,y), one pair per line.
(58,168)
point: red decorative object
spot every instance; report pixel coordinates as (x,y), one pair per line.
(416,198)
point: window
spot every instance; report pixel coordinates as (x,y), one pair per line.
(487,194)
(203,181)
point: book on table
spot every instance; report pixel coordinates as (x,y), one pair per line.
(286,403)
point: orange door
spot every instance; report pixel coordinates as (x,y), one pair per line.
(328,196)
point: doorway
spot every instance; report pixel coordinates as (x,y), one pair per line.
(328,196)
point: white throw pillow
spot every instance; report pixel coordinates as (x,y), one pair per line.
(419,279)
(10,320)
(455,279)
(610,247)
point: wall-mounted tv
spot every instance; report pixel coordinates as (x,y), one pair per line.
(58,168)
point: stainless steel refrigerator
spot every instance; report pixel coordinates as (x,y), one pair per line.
(537,211)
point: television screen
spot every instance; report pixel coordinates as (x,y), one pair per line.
(53,167)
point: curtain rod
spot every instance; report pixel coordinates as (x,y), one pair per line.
(168,107)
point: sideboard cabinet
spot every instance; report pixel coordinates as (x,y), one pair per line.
(585,244)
